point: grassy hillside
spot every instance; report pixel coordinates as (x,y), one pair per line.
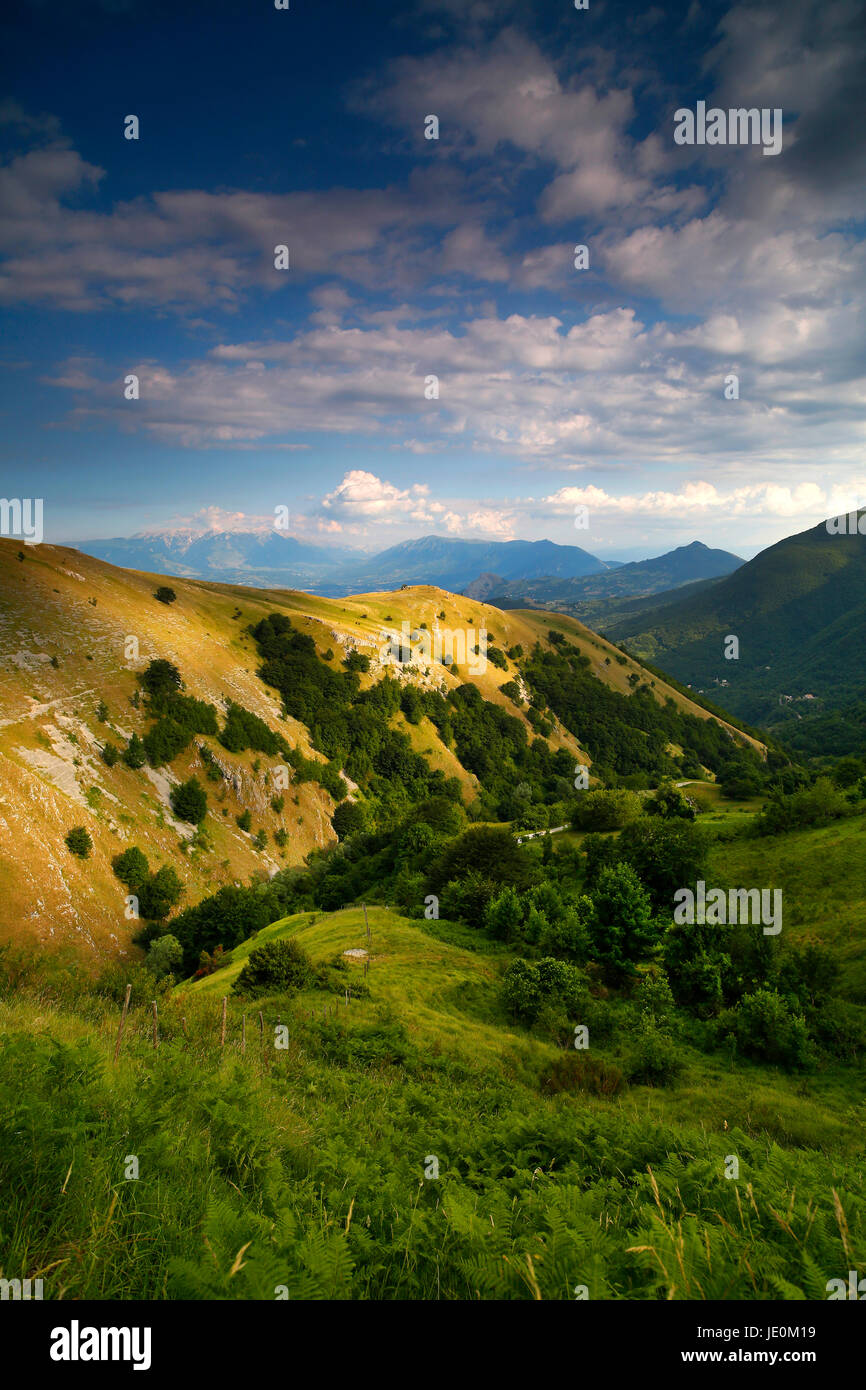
(798,609)
(66,622)
(352,1164)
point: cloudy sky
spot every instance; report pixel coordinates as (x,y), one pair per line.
(412,258)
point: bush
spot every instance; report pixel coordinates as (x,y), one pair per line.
(672,803)
(665,854)
(165,594)
(528,986)
(765,1028)
(134,755)
(244,821)
(606,810)
(131,867)
(621,926)
(110,754)
(78,842)
(815,805)
(161,679)
(348,819)
(189,801)
(279,967)
(653,1060)
(164,956)
(159,894)
(575,1071)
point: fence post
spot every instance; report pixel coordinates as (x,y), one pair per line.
(122,1021)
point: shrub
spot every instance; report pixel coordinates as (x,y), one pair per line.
(165,594)
(110,754)
(665,854)
(815,805)
(161,679)
(164,956)
(102,711)
(575,1071)
(134,755)
(621,926)
(653,1060)
(189,801)
(672,803)
(348,819)
(244,821)
(528,986)
(278,967)
(158,894)
(606,810)
(131,867)
(78,842)
(765,1028)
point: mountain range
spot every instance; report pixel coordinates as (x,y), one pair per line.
(798,610)
(530,572)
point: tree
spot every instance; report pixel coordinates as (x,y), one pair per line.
(157,895)
(189,801)
(102,711)
(165,594)
(161,679)
(244,821)
(109,754)
(622,926)
(131,867)
(605,810)
(134,755)
(348,819)
(164,956)
(490,851)
(671,803)
(665,854)
(78,842)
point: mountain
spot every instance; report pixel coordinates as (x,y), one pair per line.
(272,559)
(453,564)
(253,557)
(799,612)
(76,632)
(589,597)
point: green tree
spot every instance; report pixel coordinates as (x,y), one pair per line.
(164,956)
(622,926)
(158,894)
(165,594)
(78,842)
(161,679)
(189,801)
(278,967)
(131,867)
(134,755)
(348,819)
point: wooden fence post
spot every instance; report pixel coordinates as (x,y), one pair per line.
(122,1021)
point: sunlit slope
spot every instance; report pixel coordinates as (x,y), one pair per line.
(75,631)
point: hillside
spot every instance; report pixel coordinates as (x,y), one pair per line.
(796,607)
(66,619)
(595,597)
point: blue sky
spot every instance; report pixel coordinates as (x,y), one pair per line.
(559,388)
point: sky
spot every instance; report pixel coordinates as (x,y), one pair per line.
(432,360)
